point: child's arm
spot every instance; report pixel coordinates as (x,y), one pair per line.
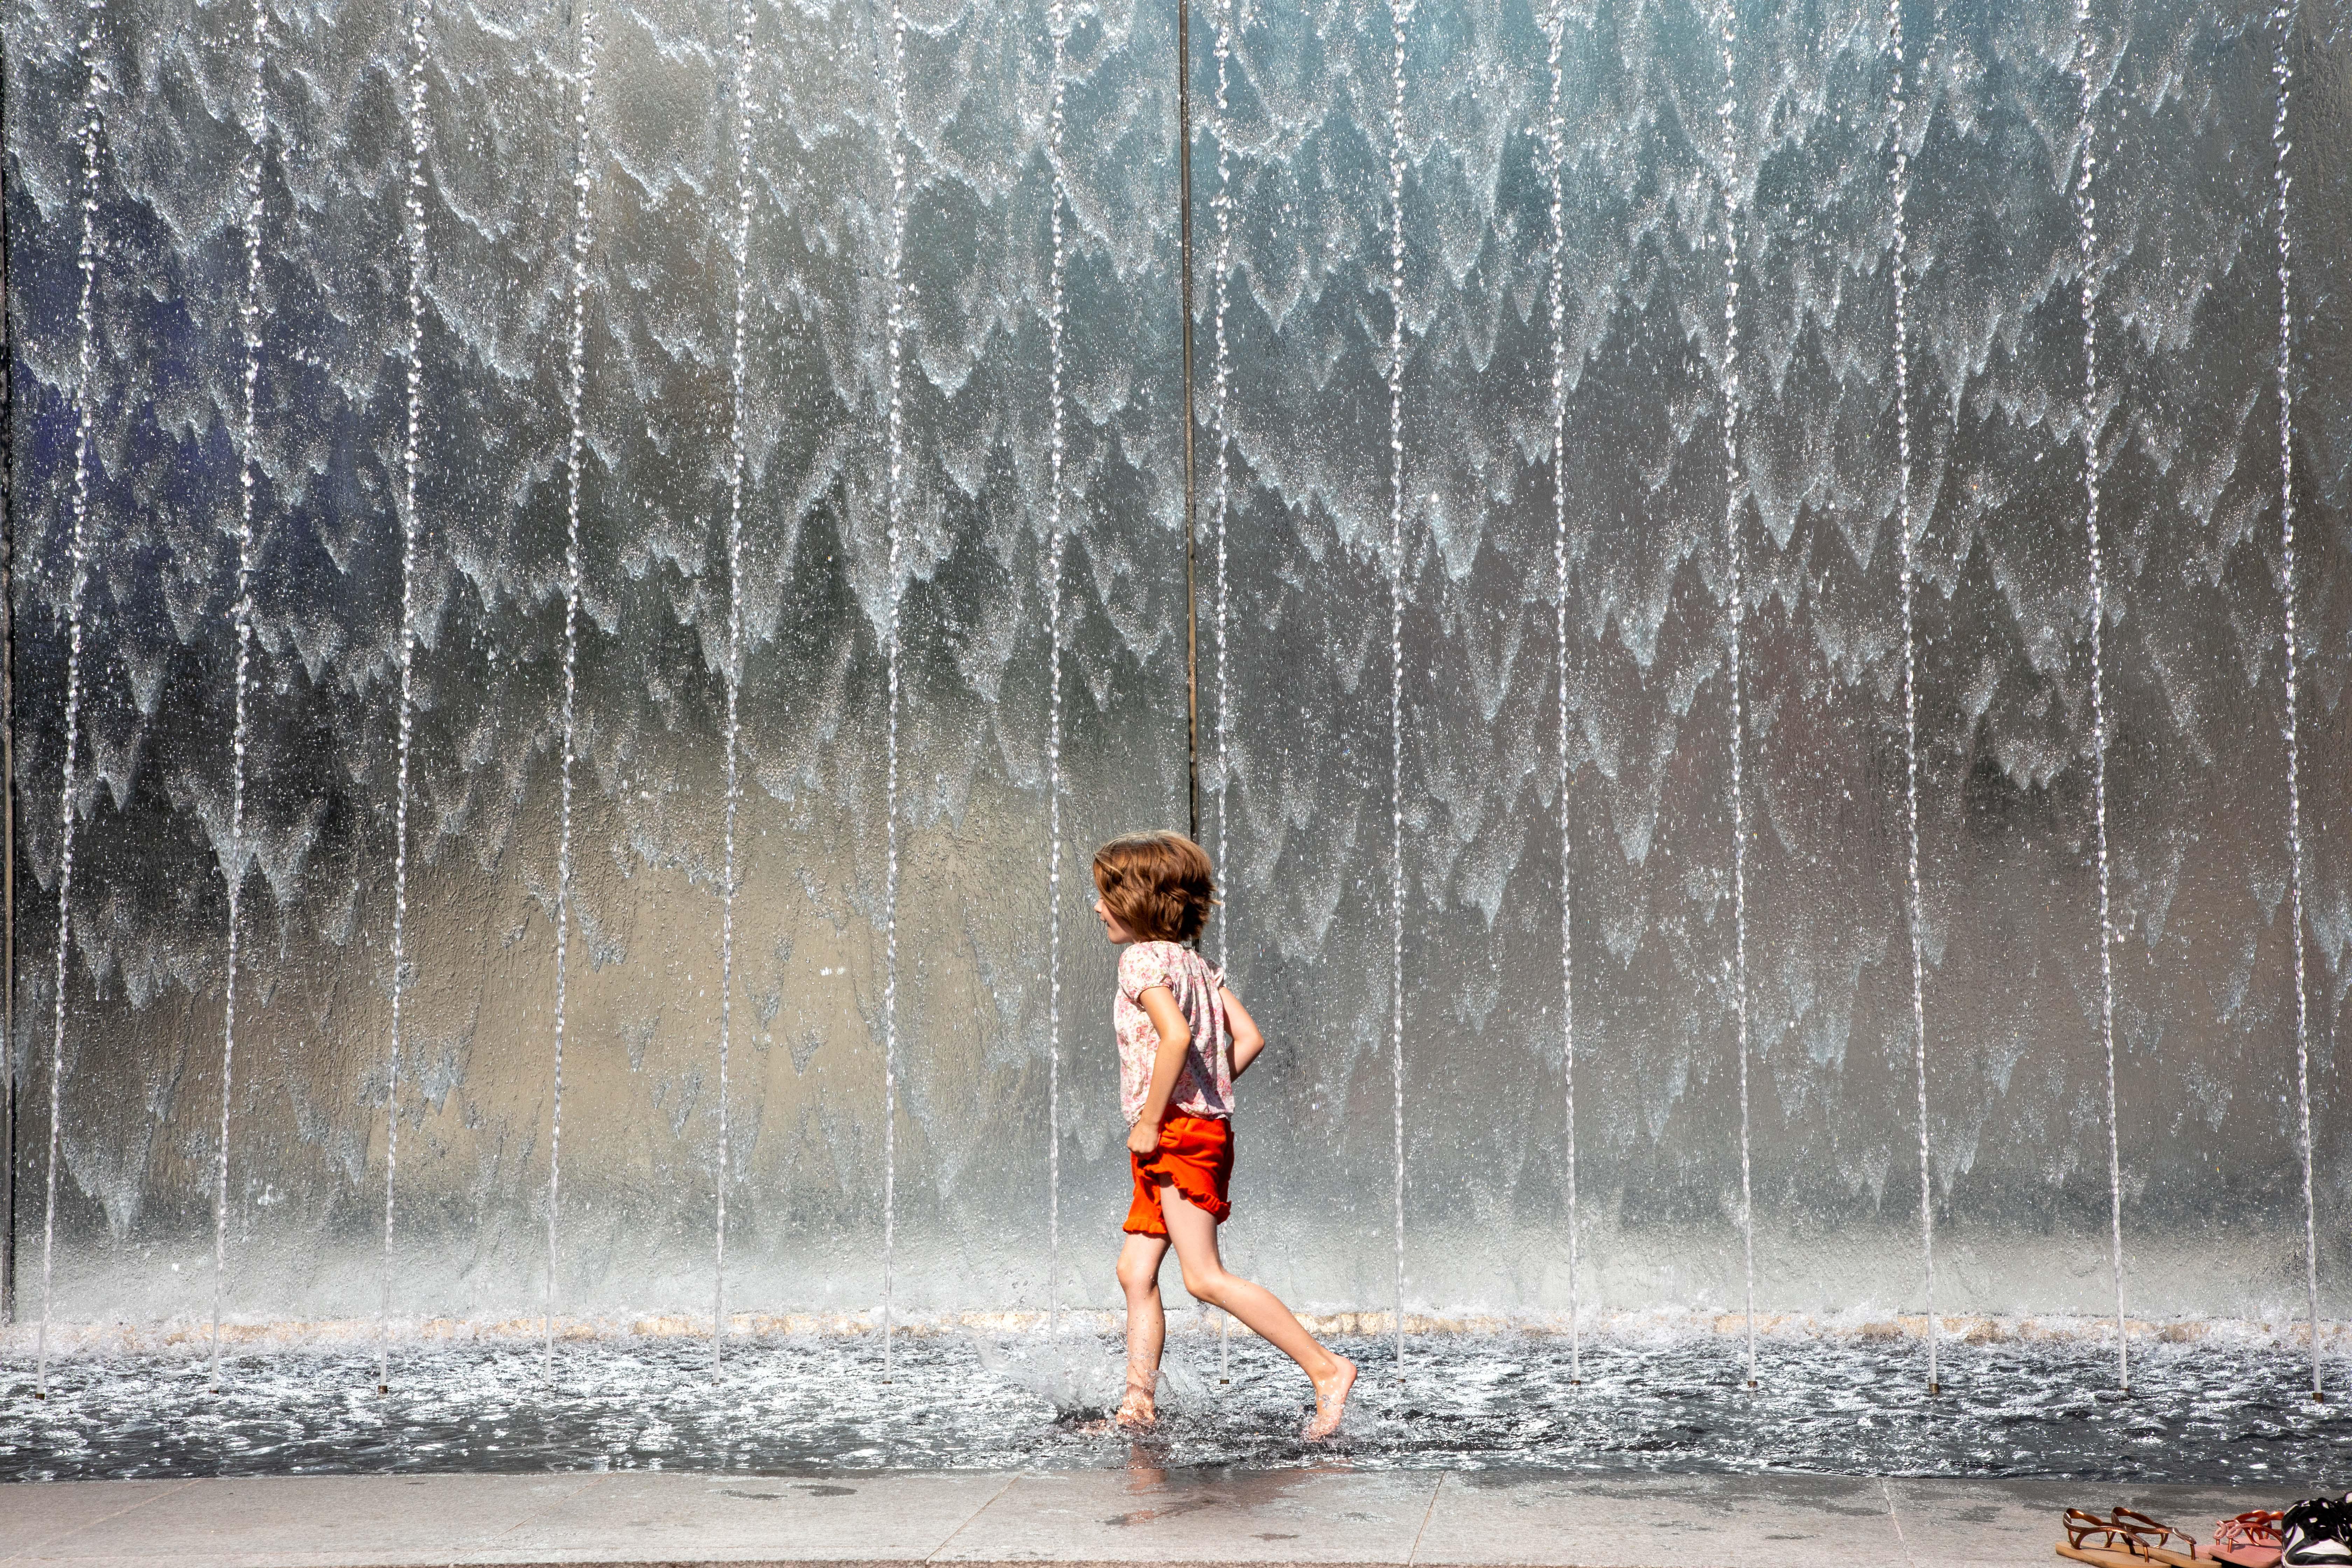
(1175,1039)
(1248,1039)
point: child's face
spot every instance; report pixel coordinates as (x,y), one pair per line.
(1112,927)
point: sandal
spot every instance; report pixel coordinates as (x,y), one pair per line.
(2128,1539)
(2250,1540)
(2114,1548)
(2155,1539)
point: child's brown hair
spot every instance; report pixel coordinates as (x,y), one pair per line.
(1158,885)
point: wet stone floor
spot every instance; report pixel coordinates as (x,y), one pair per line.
(2199,1412)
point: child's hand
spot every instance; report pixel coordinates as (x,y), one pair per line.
(1143,1138)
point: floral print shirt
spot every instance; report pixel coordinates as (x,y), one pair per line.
(1205,1085)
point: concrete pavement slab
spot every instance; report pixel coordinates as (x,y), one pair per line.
(1661,1522)
(318,1521)
(1200,1516)
(32,1516)
(642,1516)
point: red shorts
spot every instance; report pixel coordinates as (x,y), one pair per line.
(1196,1157)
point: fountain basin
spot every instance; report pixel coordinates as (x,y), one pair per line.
(2219,1407)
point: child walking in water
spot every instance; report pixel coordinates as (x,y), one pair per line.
(1183,1037)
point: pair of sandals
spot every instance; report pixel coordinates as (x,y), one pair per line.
(2256,1539)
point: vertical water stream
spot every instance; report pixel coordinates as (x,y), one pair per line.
(1899,183)
(740,243)
(2282,20)
(90,130)
(1557,140)
(1055,26)
(1400,15)
(892,508)
(575,387)
(241,631)
(413,213)
(1739,603)
(1226,19)
(2086,219)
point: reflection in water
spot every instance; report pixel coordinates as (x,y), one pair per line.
(2200,1413)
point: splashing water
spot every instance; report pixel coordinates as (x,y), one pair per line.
(1054,25)
(92,127)
(897,328)
(412,209)
(1400,16)
(2215,1412)
(1557,126)
(241,623)
(2086,218)
(1729,38)
(740,243)
(2282,20)
(576,358)
(1899,189)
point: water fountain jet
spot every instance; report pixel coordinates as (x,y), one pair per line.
(2282,18)
(1400,16)
(241,632)
(2086,219)
(1737,595)
(1899,189)
(740,243)
(1056,28)
(575,389)
(1557,126)
(1222,506)
(893,504)
(413,215)
(92,128)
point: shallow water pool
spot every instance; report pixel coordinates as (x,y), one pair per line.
(2199,1412)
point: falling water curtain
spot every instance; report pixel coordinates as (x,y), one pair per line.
(134,395)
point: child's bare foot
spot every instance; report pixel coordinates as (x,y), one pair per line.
(1331,1398)
(1136,1410)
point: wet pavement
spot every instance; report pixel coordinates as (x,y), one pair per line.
(1325,1515)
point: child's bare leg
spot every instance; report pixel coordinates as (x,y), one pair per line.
(1147,1324)
(1207,1279)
